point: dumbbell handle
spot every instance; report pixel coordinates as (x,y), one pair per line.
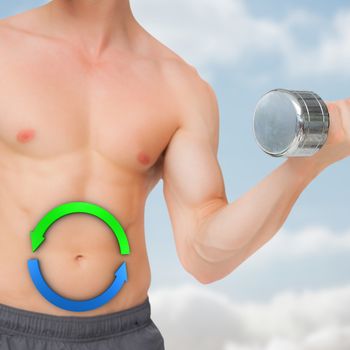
(291,123)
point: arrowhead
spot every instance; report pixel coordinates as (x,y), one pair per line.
(121,272)
(37,239)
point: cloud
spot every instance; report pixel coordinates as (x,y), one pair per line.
(224,32)
(310,242)
(193,317)
(331,55)
(210,31)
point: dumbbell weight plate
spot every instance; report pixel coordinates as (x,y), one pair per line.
(290,123)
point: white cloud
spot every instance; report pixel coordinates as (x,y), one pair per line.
(223,32)
(311,241)
(192,317)
(332,55)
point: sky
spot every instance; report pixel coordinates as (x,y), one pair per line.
(293,293)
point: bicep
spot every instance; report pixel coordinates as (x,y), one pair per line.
(193,184)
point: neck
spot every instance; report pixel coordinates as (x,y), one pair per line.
(96,25)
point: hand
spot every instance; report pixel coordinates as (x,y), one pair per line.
(337,145)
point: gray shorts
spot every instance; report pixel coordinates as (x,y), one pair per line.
(130,329)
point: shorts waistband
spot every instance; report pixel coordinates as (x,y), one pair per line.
(14,320)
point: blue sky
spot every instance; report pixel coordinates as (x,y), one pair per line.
(243,49)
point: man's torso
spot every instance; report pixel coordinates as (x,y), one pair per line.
(76,130)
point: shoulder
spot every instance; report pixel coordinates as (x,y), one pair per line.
(16,27)
(26,19)
(189,86)
(15,23)
(186,84)
(178,73)
(185,77)
(195,97)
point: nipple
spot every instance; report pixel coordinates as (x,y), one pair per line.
(143,158)
(25,135)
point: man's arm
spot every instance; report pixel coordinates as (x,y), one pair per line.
(213,236)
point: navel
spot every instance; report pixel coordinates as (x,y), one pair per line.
(25,135)
(143,158)
(79,257)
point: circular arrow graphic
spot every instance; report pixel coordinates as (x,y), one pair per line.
(71,304)
(37,237)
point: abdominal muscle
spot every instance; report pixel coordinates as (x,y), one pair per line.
(84,141)
(78,258)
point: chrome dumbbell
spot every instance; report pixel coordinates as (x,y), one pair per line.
(290,123)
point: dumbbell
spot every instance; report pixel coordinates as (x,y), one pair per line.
(290,123)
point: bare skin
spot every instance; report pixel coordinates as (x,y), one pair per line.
(93,108)
(93,123)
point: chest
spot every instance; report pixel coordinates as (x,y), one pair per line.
(121,112)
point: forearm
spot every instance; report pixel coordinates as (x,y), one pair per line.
(232,233)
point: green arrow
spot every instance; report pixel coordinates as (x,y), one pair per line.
(37,235)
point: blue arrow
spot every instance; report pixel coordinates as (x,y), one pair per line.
(76,305)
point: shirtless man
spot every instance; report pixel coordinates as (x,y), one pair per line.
(95,109)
